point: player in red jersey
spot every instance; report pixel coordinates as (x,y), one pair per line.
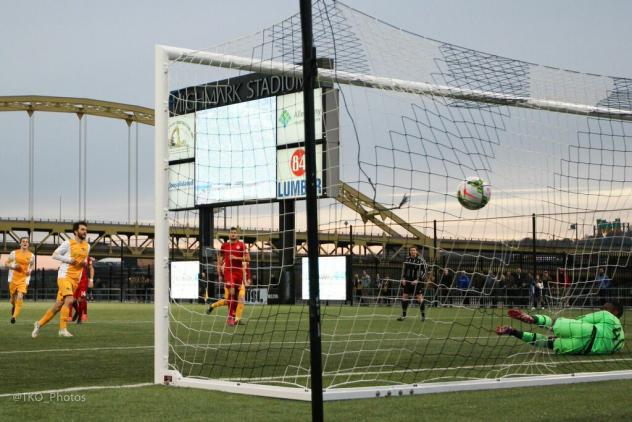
(233,266)
(80,304)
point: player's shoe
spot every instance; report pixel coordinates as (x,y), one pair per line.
(401,318)
(12,320)
(70,319)
(64,333)
(84,318)
(231,322)
(422,317)
(520,316)
(505,331)
(36,329)
(209,310)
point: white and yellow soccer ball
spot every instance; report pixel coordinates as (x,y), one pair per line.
(474,193)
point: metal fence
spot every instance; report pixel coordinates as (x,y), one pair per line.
(135,284)
(443,296)
(111,283)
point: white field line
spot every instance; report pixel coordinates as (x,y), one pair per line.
(85,349)
(275,343)
(73,389)
(280,319)
(392,316)
(216,346)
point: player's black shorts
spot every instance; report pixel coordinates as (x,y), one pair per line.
(413,289)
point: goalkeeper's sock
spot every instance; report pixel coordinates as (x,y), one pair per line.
(18,308)
(63,320)
(47,317)
(422,308)
(404,307)
(542,321)
(535,339)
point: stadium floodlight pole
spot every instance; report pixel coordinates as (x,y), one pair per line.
(161,216)
(309,78)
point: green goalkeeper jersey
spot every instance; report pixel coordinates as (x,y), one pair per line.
(609,337)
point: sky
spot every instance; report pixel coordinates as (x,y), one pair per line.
(104,50)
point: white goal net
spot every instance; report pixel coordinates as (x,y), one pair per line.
(402,120)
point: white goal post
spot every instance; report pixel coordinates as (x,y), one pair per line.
(163,374)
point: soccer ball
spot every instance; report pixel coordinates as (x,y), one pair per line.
(473,193)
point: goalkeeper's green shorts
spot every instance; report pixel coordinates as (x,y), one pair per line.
(572,336)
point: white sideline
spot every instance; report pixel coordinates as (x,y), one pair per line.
(73,389)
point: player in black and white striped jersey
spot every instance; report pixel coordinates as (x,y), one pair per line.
(414,271)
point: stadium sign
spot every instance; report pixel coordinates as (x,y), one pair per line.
(241,140)
(290,123)
(231,91)
(181,137)
(291,172)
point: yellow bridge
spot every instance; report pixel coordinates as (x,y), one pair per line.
(111,239)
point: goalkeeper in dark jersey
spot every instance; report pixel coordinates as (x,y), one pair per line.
(414,272)
(598,333)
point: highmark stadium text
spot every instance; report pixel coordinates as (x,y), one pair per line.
(296,188)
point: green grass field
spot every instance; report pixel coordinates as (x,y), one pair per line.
(115,348)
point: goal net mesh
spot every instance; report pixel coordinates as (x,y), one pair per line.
(399,158)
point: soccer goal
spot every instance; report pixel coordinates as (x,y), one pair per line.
(401,123)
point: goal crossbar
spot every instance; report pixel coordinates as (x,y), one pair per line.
(392,84)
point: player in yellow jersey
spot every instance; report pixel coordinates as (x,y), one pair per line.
(73,255)
(21,263)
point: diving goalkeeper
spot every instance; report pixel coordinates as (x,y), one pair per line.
(598,333)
